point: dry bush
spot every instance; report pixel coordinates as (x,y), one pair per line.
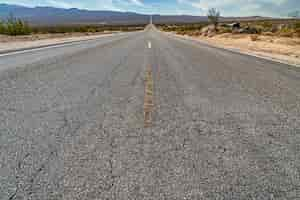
(196,33)
(297,33)
(14,26)
(286,32)
(297,29)
(268,33)
(190,33)
(181,32)
(265,26)
(225,30)
(254,38)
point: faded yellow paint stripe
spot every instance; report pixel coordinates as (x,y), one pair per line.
(148,98)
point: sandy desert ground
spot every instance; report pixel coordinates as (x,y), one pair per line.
(281,49)
(11,43)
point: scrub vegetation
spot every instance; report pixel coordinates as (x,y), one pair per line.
(14,26)
(269,27)
(86,28)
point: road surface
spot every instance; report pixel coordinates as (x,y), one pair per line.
(147,115)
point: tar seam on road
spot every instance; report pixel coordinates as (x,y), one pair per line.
(148,98)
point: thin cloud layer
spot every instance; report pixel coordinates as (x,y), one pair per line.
(246,7)
(275,8)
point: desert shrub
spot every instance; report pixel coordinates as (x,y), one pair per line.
(14,26)
(181,32)
(190,33)
(125,29)
(92,30)
(297,25)
(266,26)
(297,32)
(225,30)
(196,33)
(268,33)
(186,28)
(65,29)
(258,29)
(254,38)
(297,29)
(286,32)
(59,30)
(274,29)
(2,28)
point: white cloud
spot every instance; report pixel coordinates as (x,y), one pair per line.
(104,5)
(206,4)
(62,4)
(196,7)
(239,7)
(137,2)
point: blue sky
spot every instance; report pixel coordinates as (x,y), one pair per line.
(191,7)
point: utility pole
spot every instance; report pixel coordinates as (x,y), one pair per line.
(151,20)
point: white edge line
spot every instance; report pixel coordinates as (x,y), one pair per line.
(149,45)
(51,46)
(39,49)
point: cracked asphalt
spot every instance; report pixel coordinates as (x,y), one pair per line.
(224,126)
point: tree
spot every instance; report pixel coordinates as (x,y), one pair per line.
(213,16)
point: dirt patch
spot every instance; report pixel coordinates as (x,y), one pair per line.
(279,48)
(11,43)
(34,37)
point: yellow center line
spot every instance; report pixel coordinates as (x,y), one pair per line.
(148,98)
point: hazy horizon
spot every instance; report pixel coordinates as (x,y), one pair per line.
(234,8)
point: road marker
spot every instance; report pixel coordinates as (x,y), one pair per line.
(149,45)
(148,98)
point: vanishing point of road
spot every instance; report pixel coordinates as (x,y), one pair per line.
(147,115)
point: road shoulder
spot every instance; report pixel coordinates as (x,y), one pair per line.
(284,59)
(17,46)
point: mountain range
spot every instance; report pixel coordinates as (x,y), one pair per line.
(56,16)
(61,16)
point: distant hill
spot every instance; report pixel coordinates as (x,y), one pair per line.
(178,19)
(250,18)
(56,16)
(51,16)
(294,14)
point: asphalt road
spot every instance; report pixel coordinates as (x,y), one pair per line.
(222,125)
